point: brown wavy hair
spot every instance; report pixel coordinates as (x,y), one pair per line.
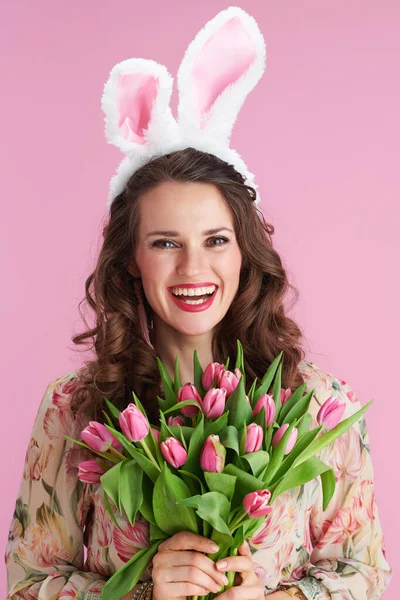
(123,360)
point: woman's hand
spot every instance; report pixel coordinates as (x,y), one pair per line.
(180,568)
(247,585)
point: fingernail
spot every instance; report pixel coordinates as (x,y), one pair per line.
(222,564)
(225,580)
(213,547)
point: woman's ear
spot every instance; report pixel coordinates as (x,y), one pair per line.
(133,269)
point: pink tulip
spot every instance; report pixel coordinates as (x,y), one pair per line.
(156,434)
(279,435)
(213,403)
(173,452)
(270,410)
(229,380)
(285,395)
(179,420)
(210,373)
(189,392)
(133,423)
(98,438)
(331,412)
(89,471)
(254,437)
(256,504)
(212,456)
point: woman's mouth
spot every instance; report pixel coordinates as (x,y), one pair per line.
(194,302)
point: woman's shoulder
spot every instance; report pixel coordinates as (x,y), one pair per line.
(56,399)
(325,385)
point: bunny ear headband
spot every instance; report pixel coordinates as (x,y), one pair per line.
(220,67)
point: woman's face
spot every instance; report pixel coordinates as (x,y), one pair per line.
(186,252)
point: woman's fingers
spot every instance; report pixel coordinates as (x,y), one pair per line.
(183,589)
(239,564)
(186,540)
(250,592)
(194,560)
(193,575)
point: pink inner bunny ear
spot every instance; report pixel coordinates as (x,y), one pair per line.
(136,93)
(224,58)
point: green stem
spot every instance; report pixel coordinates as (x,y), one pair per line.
(231,574)
(116,453)
(236,522)
(149,454)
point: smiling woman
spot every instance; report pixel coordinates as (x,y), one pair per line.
(185,220)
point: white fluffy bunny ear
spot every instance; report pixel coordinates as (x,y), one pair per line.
(136,105)
(221,66)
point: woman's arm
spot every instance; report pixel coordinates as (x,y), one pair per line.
(45,552)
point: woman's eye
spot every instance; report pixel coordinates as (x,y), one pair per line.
(161,243)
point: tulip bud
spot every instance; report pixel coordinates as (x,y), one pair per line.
(156,434)
(254,437)
(189,392)
(173,452)
(212,456)
(331,412)
(210,373)
(285,395)
(99,438)
(256,504)
(89,471)
(270,410)
(228,380)
(213,403)
(279,435)
(133,423)
(179,420)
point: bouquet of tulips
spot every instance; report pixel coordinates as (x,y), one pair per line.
(216,462)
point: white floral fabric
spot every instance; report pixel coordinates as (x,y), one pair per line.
(56,516)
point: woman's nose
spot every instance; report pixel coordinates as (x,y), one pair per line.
(191,262)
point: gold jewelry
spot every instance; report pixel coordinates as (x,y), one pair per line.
(295,592)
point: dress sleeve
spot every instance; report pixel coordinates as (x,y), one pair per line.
(45,550)
(348,559)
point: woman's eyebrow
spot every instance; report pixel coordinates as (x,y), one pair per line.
(176,233)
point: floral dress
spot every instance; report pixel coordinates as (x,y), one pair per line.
(63,543)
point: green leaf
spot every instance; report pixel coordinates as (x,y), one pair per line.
(299,409)
(180,405)
(170,396)
(267,379)
(170,516)
(293,398)
(107,418)
(115,412)
(215,427)
(177,378)
(304,424)
(239,357)
(110,483)
(257,461)
(146,509)
(148,467)
(156,533)
(195,445)
(328,487)
(221,482)
(193,482)
(110,510)
(212,507)
(278,454)
(246,483)
(128,575)
(302,443)
(230,438)
(300,475)
(252,391)
(330,436)
(177,430)
(238,407)
(276,390)
(130,490)
(198,374)
(127,444)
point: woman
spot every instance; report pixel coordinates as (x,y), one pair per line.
(181,219)
(340,551)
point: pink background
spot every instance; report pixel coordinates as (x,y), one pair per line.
(321,131)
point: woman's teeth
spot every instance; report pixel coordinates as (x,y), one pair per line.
(197,295)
